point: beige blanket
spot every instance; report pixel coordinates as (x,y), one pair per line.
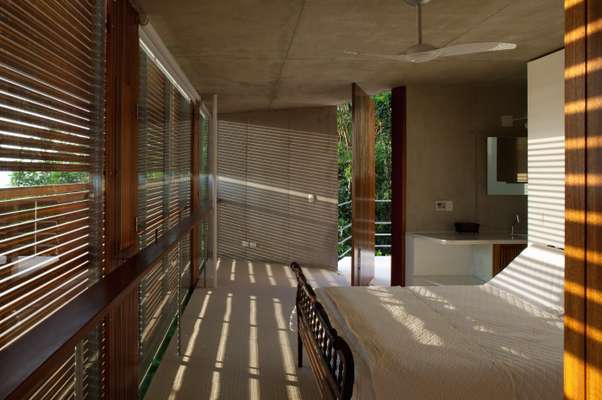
(461,342)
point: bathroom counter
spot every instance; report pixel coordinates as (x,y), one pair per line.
(469,239)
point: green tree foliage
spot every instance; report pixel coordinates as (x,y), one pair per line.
(383,167)
(27,178)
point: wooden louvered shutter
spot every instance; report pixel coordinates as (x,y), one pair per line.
(180,192)
(154,290)
(51,104)
(153,125)
(164,199)
(51,166)
(204,185)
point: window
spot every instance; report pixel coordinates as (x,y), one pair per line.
(204,184)
(164,198)
(51,135)
(51,166)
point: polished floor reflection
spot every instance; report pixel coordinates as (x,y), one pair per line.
(238,341)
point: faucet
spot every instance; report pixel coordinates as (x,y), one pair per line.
(514,223)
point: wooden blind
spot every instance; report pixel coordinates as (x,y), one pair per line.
(80,376)
(51,115)
(51,152)
(153,125)
(204,185)
(265,174)
(164,199)
(180,192)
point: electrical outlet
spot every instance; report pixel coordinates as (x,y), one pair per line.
(245,243)
(444,205)
(253,245)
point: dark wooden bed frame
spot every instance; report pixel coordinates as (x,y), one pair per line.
(329,355)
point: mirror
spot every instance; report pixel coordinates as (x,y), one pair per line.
(507,165)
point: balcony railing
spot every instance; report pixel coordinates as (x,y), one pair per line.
(382,235)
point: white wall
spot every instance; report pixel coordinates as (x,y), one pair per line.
(546,150)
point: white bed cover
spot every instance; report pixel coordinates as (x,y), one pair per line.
(501,340)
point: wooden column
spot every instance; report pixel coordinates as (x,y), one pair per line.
(363,192)
(583,226)
(196,199)
(593,198)
(398,185)
(121,324)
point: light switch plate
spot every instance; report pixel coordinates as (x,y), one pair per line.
(245,243)
(253,245)
(444,205)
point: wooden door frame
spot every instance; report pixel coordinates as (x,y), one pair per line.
(121,189)
(398,185)
(363,188)
(583,201)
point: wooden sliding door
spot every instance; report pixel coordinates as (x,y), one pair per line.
(583,232)
(363,194)
(398,186)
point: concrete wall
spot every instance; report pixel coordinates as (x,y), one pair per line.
(447,155)
(546,149)
(278,186)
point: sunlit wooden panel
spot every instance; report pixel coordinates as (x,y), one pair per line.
(363,187)
(51,156)
(164,199)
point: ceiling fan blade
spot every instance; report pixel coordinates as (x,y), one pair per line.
(473,48)
(392,57)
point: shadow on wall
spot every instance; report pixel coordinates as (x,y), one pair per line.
(277,194)
(546,191)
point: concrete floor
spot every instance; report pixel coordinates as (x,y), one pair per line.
(238,341)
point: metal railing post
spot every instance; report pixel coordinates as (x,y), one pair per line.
(342,240)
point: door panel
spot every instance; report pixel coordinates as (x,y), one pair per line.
(363,193)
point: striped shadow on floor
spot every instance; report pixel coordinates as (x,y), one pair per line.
(238,341)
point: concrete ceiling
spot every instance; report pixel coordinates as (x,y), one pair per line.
(269,54)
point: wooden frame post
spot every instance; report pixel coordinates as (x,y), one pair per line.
(196,199)
(363,189)
(122,83)
(583,203)
(398,185)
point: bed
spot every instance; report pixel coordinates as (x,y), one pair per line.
(499,340)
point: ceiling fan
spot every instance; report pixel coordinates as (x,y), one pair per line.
(424,52)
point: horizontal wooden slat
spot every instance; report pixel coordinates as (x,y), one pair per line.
(29,154)
(27,69)
(163,197)
(46,228)
(61,148)
(38,166)
(26,117)
(46,190)
(44,46)
(34,14)
(30,102)
(71,77)
(72,322)
(56,380)
(51,101)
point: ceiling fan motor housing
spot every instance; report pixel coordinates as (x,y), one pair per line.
(415,3)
